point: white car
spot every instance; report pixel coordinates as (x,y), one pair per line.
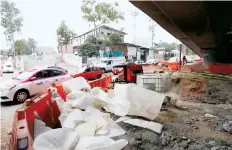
(105,65)
(139,62)
(8,67)
(31,82)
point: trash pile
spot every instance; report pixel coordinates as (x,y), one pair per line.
(86,116)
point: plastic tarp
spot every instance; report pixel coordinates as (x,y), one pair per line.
(92,122)
(39,128)
(79,99)
(76,84)
(56,139)
(156,127)
(143,102)
(110,103)
(100,143)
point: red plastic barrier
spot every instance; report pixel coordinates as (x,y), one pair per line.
(42,108)
(217,68)
(173,66)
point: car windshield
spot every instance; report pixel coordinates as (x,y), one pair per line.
(23,76)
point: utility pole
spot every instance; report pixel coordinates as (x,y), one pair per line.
(152,29)
(134,13)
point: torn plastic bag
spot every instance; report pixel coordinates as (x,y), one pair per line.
(114,105)
(156,127)
(100,143)
(40,127)
(144,102)
(79,99)
(75,84)
(56,139)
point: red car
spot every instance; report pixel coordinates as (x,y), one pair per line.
(90,73)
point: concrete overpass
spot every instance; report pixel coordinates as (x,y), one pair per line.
(204,26)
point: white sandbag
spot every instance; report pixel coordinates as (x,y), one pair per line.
(114,105)
(100,143)
(40,127)
(86,129)
(156,127)
(75,84)
(79,99)
(56,139)
(144,102)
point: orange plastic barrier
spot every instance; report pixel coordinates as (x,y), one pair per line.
(173,66)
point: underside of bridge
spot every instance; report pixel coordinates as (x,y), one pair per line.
(204,26)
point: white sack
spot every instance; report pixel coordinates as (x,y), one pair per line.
(114,105)
(156,127)
(79,99)
(40,127)
(74,118)
(100,143)
(75,84)
(56,139)
(144,102)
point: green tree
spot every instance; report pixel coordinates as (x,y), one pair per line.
(169,46)
(100,13)
(20,47)
(31,46)
(90,48)
(111,40)
(64,35)
(11,21)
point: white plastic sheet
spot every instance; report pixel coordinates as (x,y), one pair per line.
(92,122)
(112,104)
(100,143)
(79,99)
(56,139)
(156,127)
(39,128)
(76,84)
(143,102)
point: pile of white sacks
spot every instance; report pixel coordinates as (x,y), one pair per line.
(86,127)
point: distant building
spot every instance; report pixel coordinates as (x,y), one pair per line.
(45,50)
(100,32)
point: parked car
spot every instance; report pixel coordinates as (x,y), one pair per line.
(152,61)
(105,65)
(139,62)
(57,67)
(8,67)
(31,82)
(90,73)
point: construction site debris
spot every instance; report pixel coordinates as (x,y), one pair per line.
(228,127)
(210,116)
(156,127)
(144,102)
(76,84)
(61,138)
(39,128)
(100,143)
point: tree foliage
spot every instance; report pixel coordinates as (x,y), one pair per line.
(90,48)
(31,46)
(111,40)
(169,46)
(10,19)
(20,46)
(100,13)
(64,34)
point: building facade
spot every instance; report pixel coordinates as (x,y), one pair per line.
(100,32)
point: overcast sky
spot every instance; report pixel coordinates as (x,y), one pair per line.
(42,17)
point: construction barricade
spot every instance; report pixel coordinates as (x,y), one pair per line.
(45,109)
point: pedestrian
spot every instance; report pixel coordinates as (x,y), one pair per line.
(184,60)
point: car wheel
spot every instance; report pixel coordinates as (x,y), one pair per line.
(103,70)
(99,76)
(21,95)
